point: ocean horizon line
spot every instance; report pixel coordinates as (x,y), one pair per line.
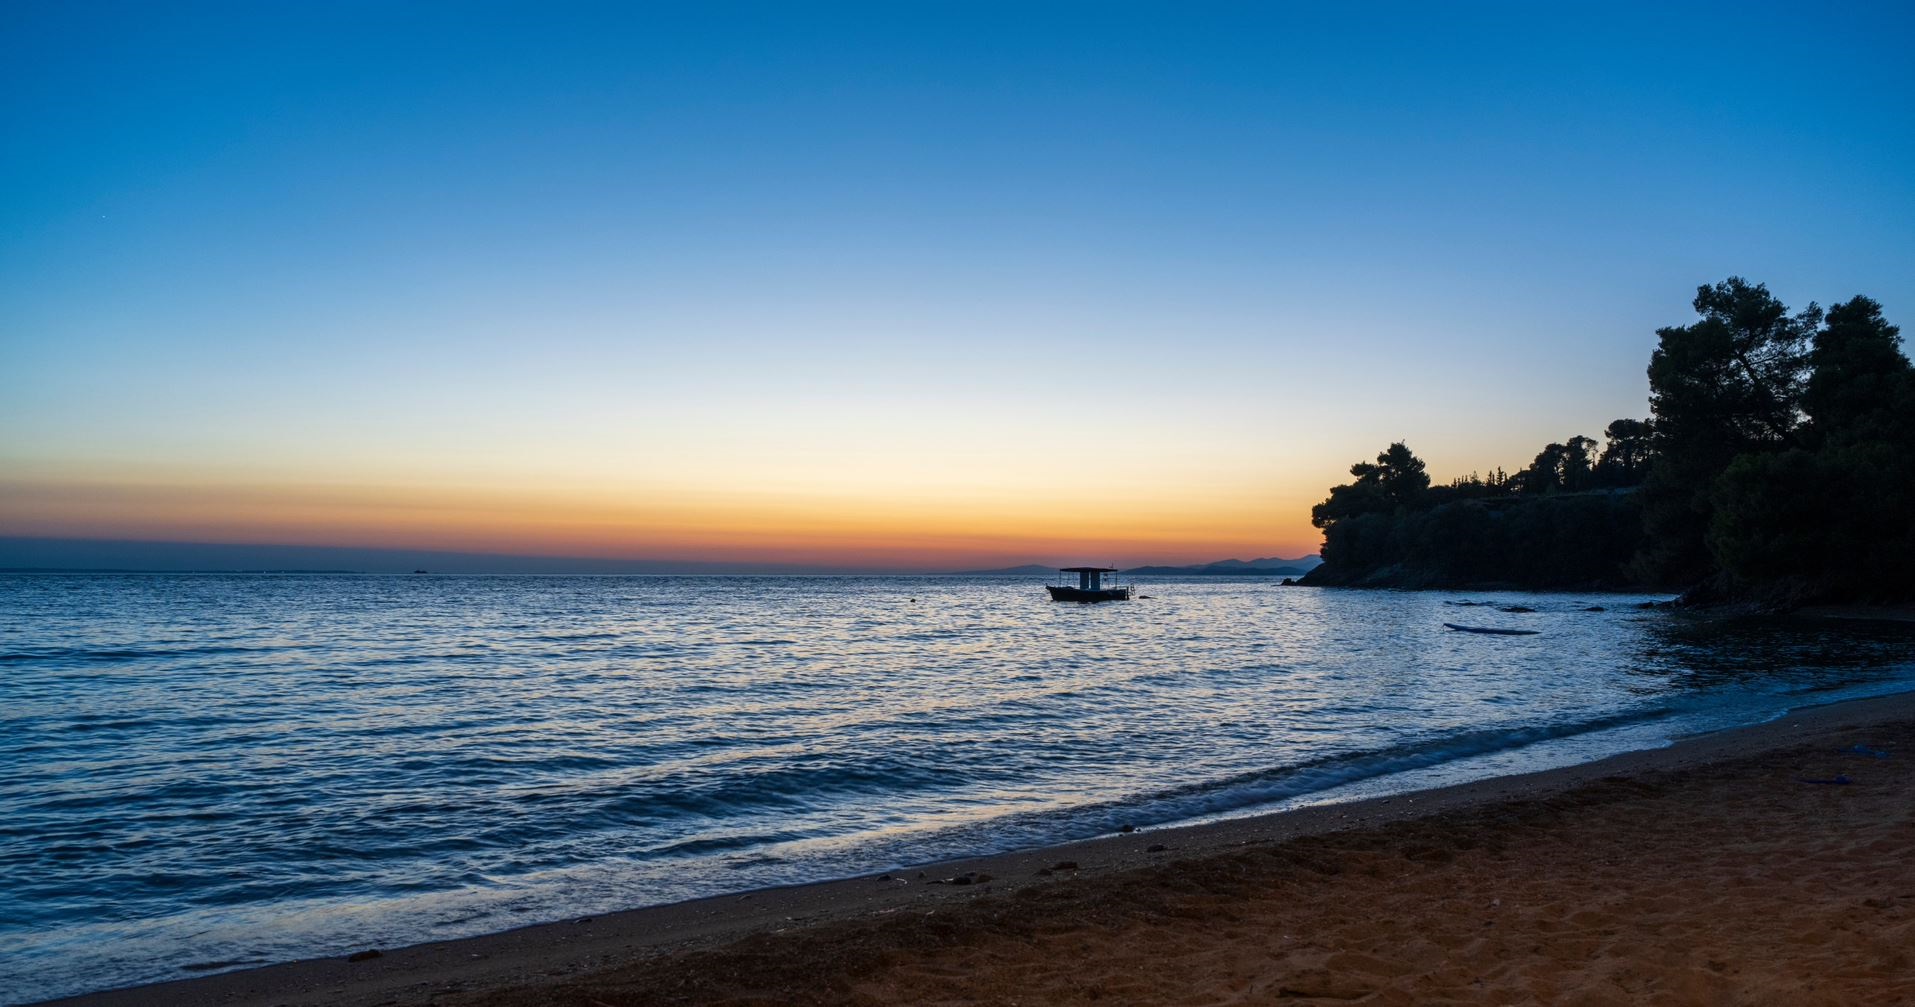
(25,554)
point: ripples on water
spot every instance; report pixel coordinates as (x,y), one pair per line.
(197,771)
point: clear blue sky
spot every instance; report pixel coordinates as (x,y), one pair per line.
(610,272)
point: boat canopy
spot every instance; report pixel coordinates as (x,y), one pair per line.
(1089,578)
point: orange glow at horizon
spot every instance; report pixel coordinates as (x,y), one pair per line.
(896,530)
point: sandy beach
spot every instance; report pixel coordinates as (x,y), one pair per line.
(1771,864)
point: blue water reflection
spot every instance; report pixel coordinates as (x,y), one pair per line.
(241,768)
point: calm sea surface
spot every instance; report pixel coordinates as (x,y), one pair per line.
(204,772)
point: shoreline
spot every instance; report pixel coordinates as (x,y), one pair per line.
(542,956)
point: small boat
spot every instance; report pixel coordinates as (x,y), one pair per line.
(1090,586)
(1491,630)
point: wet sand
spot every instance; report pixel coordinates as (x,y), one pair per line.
(1714,871)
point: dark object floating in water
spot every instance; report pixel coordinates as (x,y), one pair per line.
(1516,609)
(1090,586)
(1491,630)
(1840,781)
(1595,608)
(418,571)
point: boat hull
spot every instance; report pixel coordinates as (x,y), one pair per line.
(1080,594)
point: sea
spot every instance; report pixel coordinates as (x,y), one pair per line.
(209,772)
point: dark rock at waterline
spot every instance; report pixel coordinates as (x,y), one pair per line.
(365,956)
(1127,827)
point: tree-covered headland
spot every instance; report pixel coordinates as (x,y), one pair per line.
(1777,466)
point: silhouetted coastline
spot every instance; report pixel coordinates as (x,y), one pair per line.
(1774,472)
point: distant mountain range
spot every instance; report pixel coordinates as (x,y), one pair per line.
(1269,567)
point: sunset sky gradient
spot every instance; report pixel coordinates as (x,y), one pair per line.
(906,286)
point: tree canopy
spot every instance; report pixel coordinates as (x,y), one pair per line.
(1778,463)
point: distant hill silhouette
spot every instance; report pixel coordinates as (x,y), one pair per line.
(1027,570)
(1236,567)
(1271,566)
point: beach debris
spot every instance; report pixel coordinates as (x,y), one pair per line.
(1873,753)
(1127,827)
(582,920)
(1156,848)
(1839,780)
(967,878)
(1064,865)
(366,955)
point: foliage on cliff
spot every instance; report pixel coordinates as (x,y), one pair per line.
(1778,464)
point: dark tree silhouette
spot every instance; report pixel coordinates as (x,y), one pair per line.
(1564,468)
(1778,466)
(1724,385)
(1860,387)
(1397,479)
(1550,534)
(1831,518)
(1625,460)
